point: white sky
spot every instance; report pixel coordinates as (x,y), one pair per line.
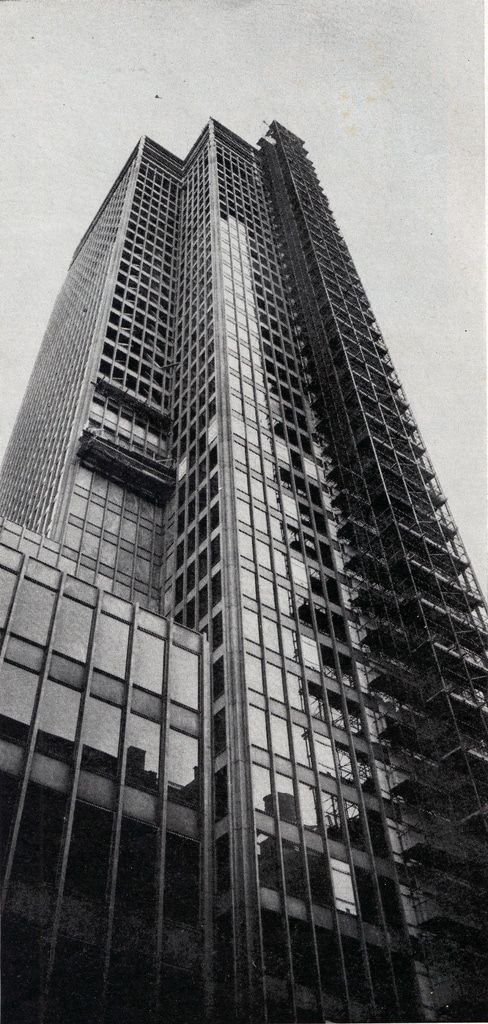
(387,95)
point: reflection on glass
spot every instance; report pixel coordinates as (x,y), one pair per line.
(33,612)
(294,691)
(72,630)
(292,863)
(111,646)
(143,739)
(343,890)
(308,805)
(57,720)
(17,695)
(323,750)
(149,661)
(319,882)
(286,798)
(300,743)
(333,824)
(254,672)
(270,634)
(279,736)
(267,861)
(184,677)
(274,679)
(257,727)
(261,784)
(101,730)
(183,767)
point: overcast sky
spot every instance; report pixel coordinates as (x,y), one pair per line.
(388,97)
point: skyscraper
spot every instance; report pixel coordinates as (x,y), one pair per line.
(214,445)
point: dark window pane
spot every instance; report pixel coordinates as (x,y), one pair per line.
(293,867)
(181,878)
(89,852)
(319,882)
(39,840)
(268,861)
(274,945)
(75,989)
(8,798)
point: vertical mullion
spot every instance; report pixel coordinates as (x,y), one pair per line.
(75,782)
(120,796)
(32,736)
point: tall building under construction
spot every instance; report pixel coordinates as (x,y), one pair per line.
(243,675)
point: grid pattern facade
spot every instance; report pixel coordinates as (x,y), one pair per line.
(39,447)
(239,454)
(102,721)
(419,611)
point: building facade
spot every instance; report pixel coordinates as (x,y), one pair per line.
(216,454)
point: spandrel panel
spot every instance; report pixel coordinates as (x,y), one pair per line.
(143,741)
(149,662)
(33,612)
(72,629)
(111,646)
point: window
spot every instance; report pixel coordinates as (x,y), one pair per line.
(279,736)
(58,719)
(17,696)
(111,645)
(310,652)
(316,701)
(330,807)
(143,739)
(345,763)
(182,878)
(101,729)
(7,585)
(323,751)
(184,677)
(257,727)
(148,661)
(183,767)
(33,612)
(343,889)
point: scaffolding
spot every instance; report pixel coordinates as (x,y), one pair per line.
(419,611)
